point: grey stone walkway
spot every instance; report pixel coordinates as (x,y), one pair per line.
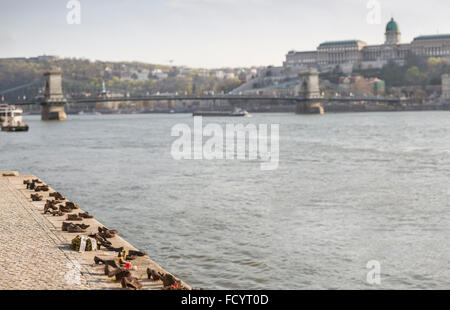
(31,256)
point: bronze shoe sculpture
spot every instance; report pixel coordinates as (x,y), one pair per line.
(153,274)
(72,205)
(100,240)
(136,253)
(74,217)
(42,188)
(110,262)
(167,279)
(56,213)
(119,272)
(107,234)
(66,225)
(57,196)
(131,283)
(86,215)
(74,228)
(102,229)
(64,209)
(31,185)
(49,207)
(36,197)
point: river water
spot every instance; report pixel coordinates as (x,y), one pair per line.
(350,188)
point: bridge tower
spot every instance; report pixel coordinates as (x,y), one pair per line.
(52,107)
(308,89)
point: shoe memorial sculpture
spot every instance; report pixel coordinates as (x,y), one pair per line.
(36,197)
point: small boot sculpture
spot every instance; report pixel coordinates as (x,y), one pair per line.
(56,213)
(136,253)
(119,273)
(57,196)
(65,209)
(72,228)
(86,215)
(74,217)
(67,226)
(31,185)
(101,241)
(51,202)
(168,279)
(107,233)
(130,283)
(72,205)
(49,207)
(110,262)
(36,197)
(153,274)
(42,188)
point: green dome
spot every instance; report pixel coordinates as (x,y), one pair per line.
(392,25)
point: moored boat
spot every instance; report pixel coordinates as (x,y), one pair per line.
(236,112)
(11,119)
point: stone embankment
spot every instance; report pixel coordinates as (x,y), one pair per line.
(36,254)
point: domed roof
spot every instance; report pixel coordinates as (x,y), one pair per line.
(392,25)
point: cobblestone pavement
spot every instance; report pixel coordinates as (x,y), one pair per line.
(31,256)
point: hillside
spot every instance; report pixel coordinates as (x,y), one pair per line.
(84,76)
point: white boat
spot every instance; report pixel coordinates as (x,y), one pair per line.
(235,112)
(89,113)
(11,118)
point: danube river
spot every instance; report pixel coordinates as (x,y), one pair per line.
(349,188)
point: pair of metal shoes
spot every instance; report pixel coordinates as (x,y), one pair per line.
(74,228)
(123,275)
(57,196)
(41,188)
(36,197)
(107,233)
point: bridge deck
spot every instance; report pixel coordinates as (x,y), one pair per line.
(231,98)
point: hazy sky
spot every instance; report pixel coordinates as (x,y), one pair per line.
(205,33)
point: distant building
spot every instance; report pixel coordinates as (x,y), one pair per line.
(352,54)
(229,76)
(446,86)
(159,74)
(361,85)
(219,74)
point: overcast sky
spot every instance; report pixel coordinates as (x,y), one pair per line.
(205,33)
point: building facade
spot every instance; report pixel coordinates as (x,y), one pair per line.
(352,54)
(446,87)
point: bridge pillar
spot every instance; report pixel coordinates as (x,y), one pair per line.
(310,91)
(52,107)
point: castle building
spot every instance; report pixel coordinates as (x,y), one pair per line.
(352,54)
(446,87)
